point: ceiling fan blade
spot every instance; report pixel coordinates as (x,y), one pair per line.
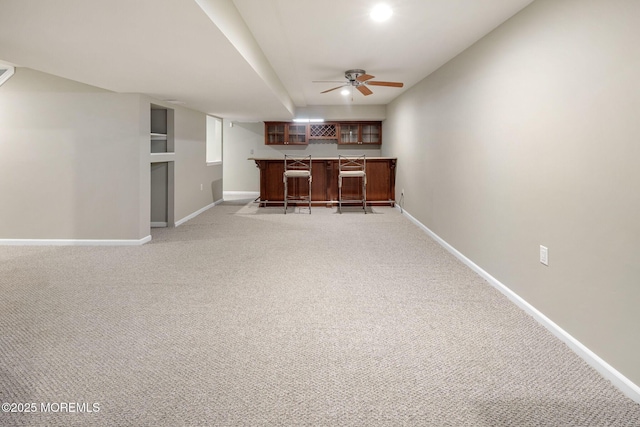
(364,77)
(364,90)
(390,84)
(329,90)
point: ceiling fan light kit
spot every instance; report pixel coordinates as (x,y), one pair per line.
(381,12)
(360,80)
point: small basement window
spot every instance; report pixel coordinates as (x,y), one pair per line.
(214,139)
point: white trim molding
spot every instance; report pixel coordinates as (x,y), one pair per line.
(6,71)
(624,384)
(235,195)
(74,242)
(198,212)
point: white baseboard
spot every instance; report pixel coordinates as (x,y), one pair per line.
(625,385)
(235,195)
(96,242)
(198,212)
(74,242)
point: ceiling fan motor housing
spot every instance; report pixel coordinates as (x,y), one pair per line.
(352,75)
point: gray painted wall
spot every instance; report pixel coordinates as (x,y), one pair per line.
(528,138)
(196,184)
(68,160)
(240,142)
(75,161)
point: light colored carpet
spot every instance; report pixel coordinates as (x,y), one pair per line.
(247,317)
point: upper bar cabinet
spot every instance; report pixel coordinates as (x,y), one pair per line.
(344,133)
(284,133)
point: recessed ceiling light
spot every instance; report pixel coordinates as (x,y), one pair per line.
(381,12)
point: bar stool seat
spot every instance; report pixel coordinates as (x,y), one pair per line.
(352,174)
(296,174)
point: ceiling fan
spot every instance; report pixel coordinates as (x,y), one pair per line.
(360,80)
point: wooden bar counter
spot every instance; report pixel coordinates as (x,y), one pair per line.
(381,181)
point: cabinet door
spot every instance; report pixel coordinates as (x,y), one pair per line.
(349,133)
(371,133)
(275,133)
(296,134)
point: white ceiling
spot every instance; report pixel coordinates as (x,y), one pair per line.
(204,52)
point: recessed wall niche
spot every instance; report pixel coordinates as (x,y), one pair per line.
(161,129)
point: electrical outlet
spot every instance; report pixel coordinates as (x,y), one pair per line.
(402,192)
(544,255)
(201,187)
